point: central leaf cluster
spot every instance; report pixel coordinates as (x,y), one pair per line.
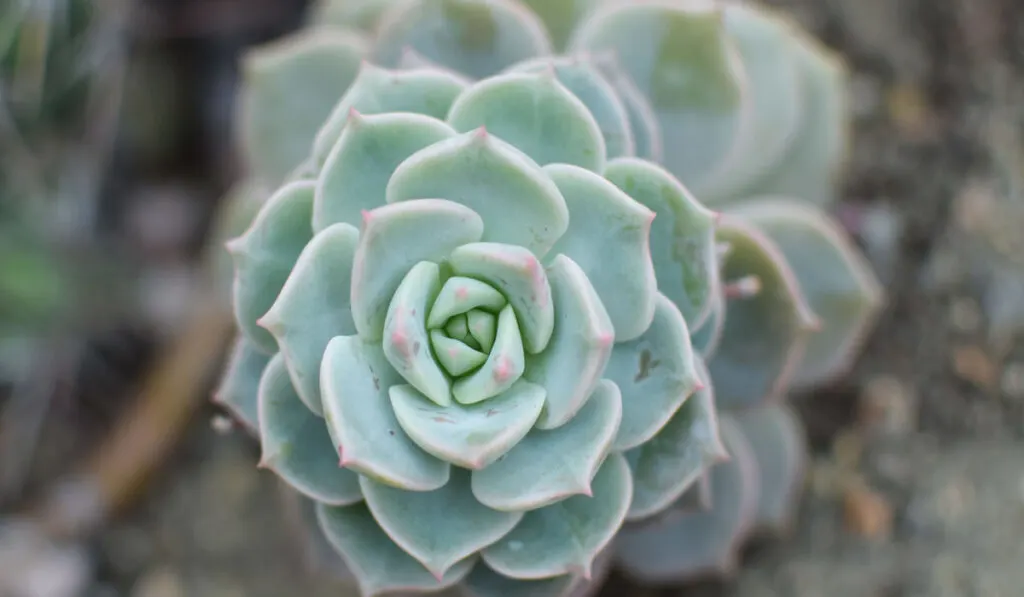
(464,332)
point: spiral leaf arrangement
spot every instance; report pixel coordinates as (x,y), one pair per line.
(486,327)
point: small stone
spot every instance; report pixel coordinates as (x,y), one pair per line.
(159,583)
(867,513)
(909,110)
(965,315)
(888,404)
(221,424)
(972,364)
(1012,382)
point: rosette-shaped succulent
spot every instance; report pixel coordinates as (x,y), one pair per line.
(459,342)
(731,99)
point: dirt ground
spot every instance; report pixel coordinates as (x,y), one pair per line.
(917,483)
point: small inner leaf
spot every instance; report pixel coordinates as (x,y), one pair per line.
(454,355)
(566,537)
(504,366)
(406,344)
(460,295)
(457,328)
(537,115)
(548,466)
(518,274)
(439,528)
(469,436)
(483,327)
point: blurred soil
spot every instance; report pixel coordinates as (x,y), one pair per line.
(917,482)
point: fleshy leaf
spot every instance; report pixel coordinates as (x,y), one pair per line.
(278,125)
(406,343)
(682,235)
(356,172)
(483,327)
(476,37)
(766,46)
(377,90)
(680,57)
(706,338)
(393,239)
(439,528)
(458,328)
(581,76)
(378,564)
(455,356)
(656,373)
(642,120)
(474,436)
(265,255)
(296,444)
(765,334)
(561,18)
(238,390)
(519,276)
(504,365)
(564,538)
(809,169)
(460,295)
(519,205)
(777,441)
(838,282)
(548,466)
(536,114)
(484,582)
(682,547)
(361,14)
(674,460)
(313,307)
(581,344)
(354,380)
(609,238)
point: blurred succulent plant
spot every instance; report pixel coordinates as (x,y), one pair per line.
(732,100)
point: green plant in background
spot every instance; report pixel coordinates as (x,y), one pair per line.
(731,99)
(56,61)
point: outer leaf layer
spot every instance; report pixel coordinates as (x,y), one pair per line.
(547,466)
(566,537)
(265,256)
(296,444)
(378,564)
(683,547)
(439,528)
(313,307)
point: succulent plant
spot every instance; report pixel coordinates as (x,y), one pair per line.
(657,104)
